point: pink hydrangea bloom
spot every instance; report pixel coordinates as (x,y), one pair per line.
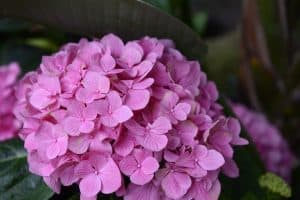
(271,146)
(105,112)
(8,78)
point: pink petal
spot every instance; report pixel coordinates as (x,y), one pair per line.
(143,84)
(124,145)
(82,197)
(79,144)
(86,127)
(107,62)
(134,127)
(40,99)
(200,151)
(109,121)
(96,82)
(149,165)
(176,184)
(90,185)
(114,100)
(131,54)
(67,176)
(114,43)
(101,143)
(84,95)
(83,169)
(230,168)
(50,83)
(63,145)
(197,172)
(145,192)
(139,178)
(161,126)
(90,112)
(52,151)
(137,99)
(144,68)
(52,183)
(181,111)
(212,161)
(110,177)
(187,131)
(71,125)
(170,99)
(153,142)
(122,114)
(128,165)
(30,143)
(215,191)
(101,106)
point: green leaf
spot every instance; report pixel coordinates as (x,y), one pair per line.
(275,184)
(162,4)
(131,19)
(16,182)
(200,21)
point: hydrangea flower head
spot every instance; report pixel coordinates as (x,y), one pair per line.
(271,146)
(8,79)
(134,118)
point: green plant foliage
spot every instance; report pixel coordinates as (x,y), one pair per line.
(130,19)
(162,4)
(16,183)
(275,184)
(200,21)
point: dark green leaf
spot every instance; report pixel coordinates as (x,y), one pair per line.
(162,4)
(131,19)
(16,183)
(200,21)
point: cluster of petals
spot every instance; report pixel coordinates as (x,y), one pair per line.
(136,119)
(271,146)
(8,78)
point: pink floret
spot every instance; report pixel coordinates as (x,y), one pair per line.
(8,78)
(271,146)
(134,118)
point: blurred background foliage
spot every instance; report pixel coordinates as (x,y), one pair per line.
(253,56)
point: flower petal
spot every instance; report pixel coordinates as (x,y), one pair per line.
(149,165)
(161,126)
(52,151)
(153,142)
(176,184)
(128,165)
(212,161)
(139,178)
(122,114)
(71,125)
(137,99)
(110,177)
(181,111)
(79,144)
(90,185)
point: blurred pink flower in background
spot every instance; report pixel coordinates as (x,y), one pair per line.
(137,119)
(8,79)
(271,146)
